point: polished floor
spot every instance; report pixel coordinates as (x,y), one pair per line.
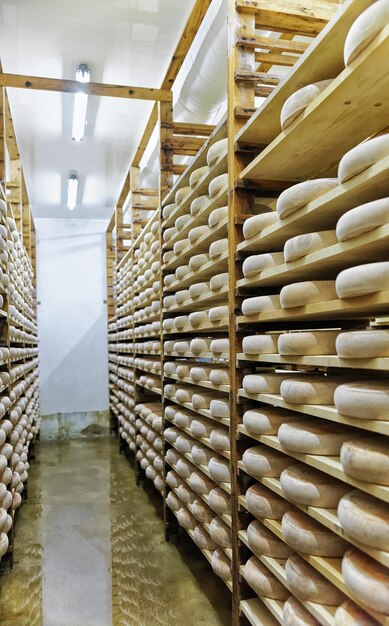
(89,550)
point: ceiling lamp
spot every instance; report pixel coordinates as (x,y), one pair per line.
(80,104)
(72,191)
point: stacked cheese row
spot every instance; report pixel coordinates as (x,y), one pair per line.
(149,441)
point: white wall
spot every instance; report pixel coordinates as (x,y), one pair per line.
(72,316)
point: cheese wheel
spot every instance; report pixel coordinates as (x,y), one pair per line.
(197,318)
(181,321)
(309,390)
(200,483)
(260,344)
(263,541)
(179,246)
(218,346)
(169,301)
(184,395)
(182,295)
(198,374)
(183,468)
(169,234)
(218,149)
(198,233)
(221,564)
(266,421)
(217,216)
(197,175)
(183,444)
(300,100)
(310,436)
(308,585)
(262,581)
(307,342)
(202,539)
(307,292)
(201,455)
(4,543)
(219,281)
(217,185)
(217,313)
(364,29)
(262,383)
(350,614)
(181,194)
(218,247)
(259,304)
(197,204)
(181,347)
(219,470)
(261,502)
(363,279)
(307,243)
(219,501)
(181,221)
(168,256)
(366,459)
(182,419)
(220,439)
(182,370)
(363,156)
(367,580)
(219,377)
(185,519)
(201,427)
(168,324)
(168,210)
(306,485)
(255,224)
(200,345)
(259,262)
(185,494)
(301,194)
(220,533)
(201,400)
(171,434)
(365,519)
(263,461)
(363,400)
(182,271)
(169,346)
(220,408)
(363,344)
(362,219)
(304,534)
(198,261)
(202,512)
(294,614)
(198,289)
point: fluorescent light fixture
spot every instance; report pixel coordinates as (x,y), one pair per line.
(72,191)
(80,104)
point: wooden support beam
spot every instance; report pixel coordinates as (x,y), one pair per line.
(262,91)
(187,143)
(92,89)
(286,60)
(165,148)
(244,112)
(143,191)
(177,169)
(9,131)
(276,45)
(260,78)
(300,17)
(185,128)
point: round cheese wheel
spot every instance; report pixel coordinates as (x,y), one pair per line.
(221,564)
(198,261)
(201,427)
(363,156)
(260,344)
(262,383)
(198,374)
(197,175)
(262,581)
(182,295)
(219,470)
(4,543)
(307,342)
(168,324)
(294,614)
(365,519)
(220,533)
(350,614)
(168,256)
(182,271)
(169,346)
(218,149)
(307,243)
(179,246)
(182,419)
(184,395)
(299,195)
(183,444)
(198,289)
(266,421)
(218,247)
(219,281)
(183,468)
(308,585)
(201,400)
(309,390)
(202,512)
(263,541)
(168,210)
(363,279)
(363,344)
(185,519)
(218,346)
(181,321)
(304,534)
(259,304)
(182,370)
(217,184)
(198,317)
(366,459)
(169,234)
(185,494)
(169,301)
(219,501)
(367,580)
(220,439)
(365,28)
(217,313)
(264,461)
(200,345)
(307,292)
(261,502)
(300,100)
(259,262)
(219,377)
(171,434)
(363,400)
(200,483)
(202,539)
(362,219)
(197,204)
(310,436)
(181,347)
(181,194)
(217,216)
(201,455)
(255,224)
(306,485)
(198,233)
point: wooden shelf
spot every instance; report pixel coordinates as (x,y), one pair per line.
(325,361)
(209,327)
(202,383)
(204,412)
(262,612)
(202,303)
(224,356)
(215,266)
(201,246)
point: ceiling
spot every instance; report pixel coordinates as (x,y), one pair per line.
(127,42)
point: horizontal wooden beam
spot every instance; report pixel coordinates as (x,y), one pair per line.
(263,91)
(143,191)
(301,17)
(273,44)
(260,78)
(178,169)
(186,128)
(92,89)
(286,60)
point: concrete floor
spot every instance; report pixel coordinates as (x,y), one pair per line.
(89,550)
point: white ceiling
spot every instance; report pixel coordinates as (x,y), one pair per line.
(122,41)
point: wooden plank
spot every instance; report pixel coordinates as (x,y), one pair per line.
(187,128)
(260,78)
(276,45)
(92,89)
(165,116)
(323,361)
(287,60)
(187,143)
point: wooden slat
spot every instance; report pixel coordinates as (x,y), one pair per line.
(186,128)
(275,59)
(257,78)
(276,45)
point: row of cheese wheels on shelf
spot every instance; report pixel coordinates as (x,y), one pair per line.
(149,442)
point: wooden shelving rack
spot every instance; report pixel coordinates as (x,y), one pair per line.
(164,341)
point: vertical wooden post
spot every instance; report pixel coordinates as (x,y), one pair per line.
(135,214)
(2,135)
(165,110)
